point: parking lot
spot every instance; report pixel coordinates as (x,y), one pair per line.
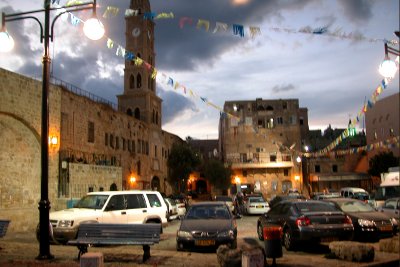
(21,250)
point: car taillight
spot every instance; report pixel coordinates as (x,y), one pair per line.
(251,206)
(347,220)
(303,221)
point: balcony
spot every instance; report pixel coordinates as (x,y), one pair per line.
(261,162)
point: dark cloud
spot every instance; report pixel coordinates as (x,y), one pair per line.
(283,88)
(174,105)
(358,11)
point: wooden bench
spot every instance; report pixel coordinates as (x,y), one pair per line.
(3,227)
(117,234)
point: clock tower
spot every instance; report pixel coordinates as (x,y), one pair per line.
(139,98)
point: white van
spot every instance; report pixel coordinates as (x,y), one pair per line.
(351,192)
(120,207)
(389,188)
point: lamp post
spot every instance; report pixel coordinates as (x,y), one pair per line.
(388,67)
(6,44)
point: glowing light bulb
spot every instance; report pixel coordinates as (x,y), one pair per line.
(6,42)
(93,29)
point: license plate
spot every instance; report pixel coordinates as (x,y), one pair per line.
(259,206)
(205,242)
(385,228)
(329,239)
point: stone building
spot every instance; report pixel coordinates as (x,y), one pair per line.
(261,141)
(382,122)
(95,145)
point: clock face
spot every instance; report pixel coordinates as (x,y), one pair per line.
(135,32)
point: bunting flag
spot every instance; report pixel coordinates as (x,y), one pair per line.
(254,31)
(138,61)
(111,11)
(120,51)
(74,2)
(219,26)
(184,20)
(149,15)
(129,55)
(238,30)
(131,12)
(110,43)
(165,16)
(54,1)
(204,23)
(74,20)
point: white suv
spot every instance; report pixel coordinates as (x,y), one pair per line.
(118,207)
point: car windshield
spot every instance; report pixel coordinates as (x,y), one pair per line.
(208,212)
(92,202)
(355,206)
(256,200)
(223,198)
(314,207)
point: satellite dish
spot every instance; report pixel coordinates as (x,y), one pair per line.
(215,152)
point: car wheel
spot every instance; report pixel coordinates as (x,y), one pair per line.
(260,232)
(178,247)
(288,239)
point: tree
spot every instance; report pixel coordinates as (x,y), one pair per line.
(182,161)
(217,174)
(381,163)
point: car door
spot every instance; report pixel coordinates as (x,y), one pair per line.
(136,208)
(391,208)
(115,211)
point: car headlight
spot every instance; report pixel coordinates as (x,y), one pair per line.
(229,233)
(184,234)
(394,221)
(65,223)
(366,223)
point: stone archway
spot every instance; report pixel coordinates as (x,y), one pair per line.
(155,184)
(20,172)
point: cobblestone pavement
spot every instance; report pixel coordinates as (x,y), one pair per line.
(21,249)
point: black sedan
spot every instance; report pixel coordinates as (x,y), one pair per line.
(207,224)
(310,220)
(369,224)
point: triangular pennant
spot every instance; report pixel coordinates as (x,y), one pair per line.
(238,30)
(184,20)
(219,26)
(110,43)
(204,23)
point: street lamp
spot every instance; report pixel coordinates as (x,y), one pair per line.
(6,44)
(388,67)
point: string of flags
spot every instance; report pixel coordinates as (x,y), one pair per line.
(390,143)
(239,30)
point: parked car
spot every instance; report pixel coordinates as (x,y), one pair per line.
(391,207)
(326,196)
(369,225)
(172,209)
(351,191)
(207,224)
(280,198)
(134,206)
(228,201)
(310,220)
(256,205)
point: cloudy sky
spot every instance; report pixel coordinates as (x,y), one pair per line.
(331,74)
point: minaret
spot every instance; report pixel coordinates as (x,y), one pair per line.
(139,98)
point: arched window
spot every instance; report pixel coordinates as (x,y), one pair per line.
(139,81)
(129,112)
(153,119)
(157,118)
(269,108)
(137,113)
(132,81)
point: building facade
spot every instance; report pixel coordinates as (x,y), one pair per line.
(261,140)
(382,123)
(95,145)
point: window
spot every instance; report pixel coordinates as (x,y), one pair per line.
(135,201)
(284,105)
(301,121)
(139,147)
(106,139)
(279,120)
(272,157)
(155,151)
(243,157)
(91,132)
(285,172)
(116,202)
(133,145)
(130,146)
(132,81)
(334,168)
(123,144)
(139,81)
(317,168)
(154,200)
(117,142)
(111,140)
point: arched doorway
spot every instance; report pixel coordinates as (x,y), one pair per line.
(155,184)
(201,186)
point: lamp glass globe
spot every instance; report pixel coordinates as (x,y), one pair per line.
(93,29)
(6,42)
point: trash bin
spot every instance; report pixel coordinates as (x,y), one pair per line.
(272,241)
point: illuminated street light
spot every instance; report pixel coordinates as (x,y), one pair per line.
(46,35)
(388,67)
